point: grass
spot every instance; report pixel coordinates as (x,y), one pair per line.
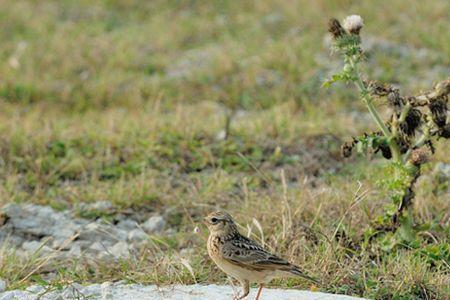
(124,101)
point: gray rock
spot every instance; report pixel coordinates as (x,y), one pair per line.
(93,290)
(81,222)
(31,246)
(136,235)
(60,244)
(15,295)
(101,232)
(2,286)
(97,246)
(120,234)
(93,232)
(35,246)
(35,289)
(74,291)
(127,224)
(10,239)
(119,250)
(82,244)
(75,250)
(39,221)
(154,225)
(27,223)
(106,290)
(185,292)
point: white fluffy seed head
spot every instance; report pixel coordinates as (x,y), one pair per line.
(353,24)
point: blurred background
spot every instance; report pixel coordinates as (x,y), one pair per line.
(175,108)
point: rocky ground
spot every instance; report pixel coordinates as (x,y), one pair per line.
(32,229)
(120,291)
(97,231)
(40,230)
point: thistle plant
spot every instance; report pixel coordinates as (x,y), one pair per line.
(405,138)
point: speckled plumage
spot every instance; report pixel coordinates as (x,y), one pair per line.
(243,258)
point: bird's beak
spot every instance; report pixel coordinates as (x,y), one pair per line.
(205,221)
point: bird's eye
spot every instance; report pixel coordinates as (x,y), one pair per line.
(214,220)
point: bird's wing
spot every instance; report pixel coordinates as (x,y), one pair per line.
(247,253)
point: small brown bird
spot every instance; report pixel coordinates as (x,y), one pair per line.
(243,258)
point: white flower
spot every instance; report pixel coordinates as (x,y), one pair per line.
(196,230)
(353,24)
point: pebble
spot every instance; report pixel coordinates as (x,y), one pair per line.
(154,224)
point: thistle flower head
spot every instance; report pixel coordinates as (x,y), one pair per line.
(335,28)
(353,24)
(347,148)
(412,122)
(445,131)
(394,99)
(419,156)
(379,89)
(438,109)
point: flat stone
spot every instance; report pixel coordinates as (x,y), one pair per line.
(74,291)
(15,295)
(106,290)
(93,290)
(176,292)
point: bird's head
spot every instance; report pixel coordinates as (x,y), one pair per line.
(220,222)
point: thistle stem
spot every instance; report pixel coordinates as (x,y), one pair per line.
(374,113)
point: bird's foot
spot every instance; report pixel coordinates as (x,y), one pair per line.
(238,297)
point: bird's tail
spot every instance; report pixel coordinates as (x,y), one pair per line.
(294,270)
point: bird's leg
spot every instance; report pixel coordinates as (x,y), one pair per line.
(259,291)
(245,289)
